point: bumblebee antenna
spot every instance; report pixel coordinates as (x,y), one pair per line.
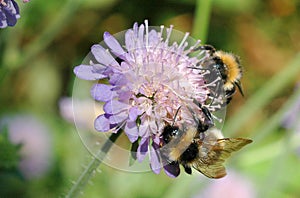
(175,116)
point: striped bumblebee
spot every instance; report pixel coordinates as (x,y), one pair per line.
(206,154)
(228,66)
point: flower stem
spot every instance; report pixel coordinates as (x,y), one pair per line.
(92,166)
(201,19)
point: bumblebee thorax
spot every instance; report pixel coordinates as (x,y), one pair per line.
(232,68)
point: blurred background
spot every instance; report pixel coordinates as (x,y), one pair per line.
(41,153)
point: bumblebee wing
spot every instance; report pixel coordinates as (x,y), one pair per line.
(214,171)
(210,163)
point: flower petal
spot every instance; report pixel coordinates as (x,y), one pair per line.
(153,38)
(102,123)
(129,41)
(124,96)
(154,161)
(103,56)
(135,29)
(172,169)
(131,131)
(144,129)
(134,112)
(142,149)
(156,141)
(113,44)
(141,36)
(114,106)
(87,72)
(103,92)
(118,79)
(118,118)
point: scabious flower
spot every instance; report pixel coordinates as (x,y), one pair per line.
(146,83)
(9,13)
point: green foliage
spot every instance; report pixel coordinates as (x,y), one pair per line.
(11,181)
(9,152)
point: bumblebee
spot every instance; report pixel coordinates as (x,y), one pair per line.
(206,154)
(229,67)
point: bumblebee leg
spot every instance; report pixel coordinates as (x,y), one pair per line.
(239,85)
(187,169)
(209,48)
(229,94)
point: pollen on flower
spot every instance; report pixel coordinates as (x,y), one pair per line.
(151,81)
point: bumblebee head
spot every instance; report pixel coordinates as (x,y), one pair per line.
(169,133)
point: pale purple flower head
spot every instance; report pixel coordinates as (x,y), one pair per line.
(146,81)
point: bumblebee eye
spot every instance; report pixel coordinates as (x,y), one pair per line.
(174,132)
(169,133)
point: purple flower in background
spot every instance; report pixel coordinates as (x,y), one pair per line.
(84,119)
(291,118)
(36,149)
(144,82)
(233,185)
(9,12)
